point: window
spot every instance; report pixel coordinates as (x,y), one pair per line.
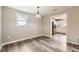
(21,19)
(62,23)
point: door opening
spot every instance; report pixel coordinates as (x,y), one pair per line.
(53,28)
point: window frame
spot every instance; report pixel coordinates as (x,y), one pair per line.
(18,22)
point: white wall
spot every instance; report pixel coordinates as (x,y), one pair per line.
(33,27)
(61,30)
(0,25)
(47,26)
(73,25)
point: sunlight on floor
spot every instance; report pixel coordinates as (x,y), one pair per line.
(60,41)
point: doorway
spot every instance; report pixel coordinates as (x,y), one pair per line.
(53,28)
(59,30)
(59,25)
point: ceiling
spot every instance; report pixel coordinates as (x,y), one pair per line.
(44,10)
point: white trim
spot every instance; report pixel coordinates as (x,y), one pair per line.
(19,40)
(73,42)
(46,35)
(0,47)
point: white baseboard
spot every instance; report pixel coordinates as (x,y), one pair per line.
(0,47)
(73,42)
(46,35)
(19,40)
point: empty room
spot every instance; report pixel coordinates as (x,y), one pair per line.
(39,29)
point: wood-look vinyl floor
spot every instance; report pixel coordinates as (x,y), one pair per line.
(39,44)
(73,47)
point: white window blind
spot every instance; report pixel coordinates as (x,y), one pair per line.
(21,19)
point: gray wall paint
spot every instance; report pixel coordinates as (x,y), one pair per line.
(33,27)
(72,25)
(0,25)
(36,27)
(46,26)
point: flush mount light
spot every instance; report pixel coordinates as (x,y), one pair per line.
(38,15)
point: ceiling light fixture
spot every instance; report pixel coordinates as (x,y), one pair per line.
(38,15)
